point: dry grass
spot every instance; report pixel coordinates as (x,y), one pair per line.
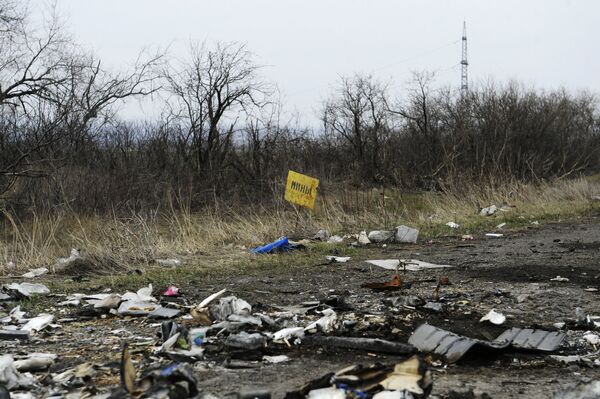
(141,238)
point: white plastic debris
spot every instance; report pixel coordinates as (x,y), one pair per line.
(413,265)
(501,225)
(38,323)
(322,235)
(35,362)
(494,235)
(338,259)
(230,305)
(403,394)
(335,240)
(453,225)
(210,298)
(560,279)
(276,359)
(381,235)
(10,264)
(363,238)
(327,393)
(535,223)
(73,256)
(10,377)
(145,294)
(326,324)
(288,333)
(15,316)
(489,211)
(169,262)
(494,317)
(35,272)
(135,308)
(389,264)
(406,234)
(592,339)
(111,301)
(29,289)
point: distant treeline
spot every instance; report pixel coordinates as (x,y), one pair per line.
(223,132)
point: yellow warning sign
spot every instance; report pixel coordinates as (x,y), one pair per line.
(301,189)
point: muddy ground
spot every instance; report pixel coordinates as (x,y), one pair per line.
(510,274)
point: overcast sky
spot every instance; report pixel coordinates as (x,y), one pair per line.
(306,45)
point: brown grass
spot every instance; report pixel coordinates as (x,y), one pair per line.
(141,238)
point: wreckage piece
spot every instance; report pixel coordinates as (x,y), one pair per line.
(244,340)
(10,377)
(35,362)
(453,347)
(163,313)
(28,289)
(38,323)
(8,335)
(410,377)
(365,344)
(394,284)
(174,381)
(413,265)
(35,272)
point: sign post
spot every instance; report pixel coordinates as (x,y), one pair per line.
(301,189)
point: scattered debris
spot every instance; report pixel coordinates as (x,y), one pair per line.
(38,323)
(494,235)
(338,259)
(363,239)
(560,279)
(583,390)
(28,289)
(453,225)
(10,377)
(501,226)
(278,246)
(406,234)
(494,317)
(335,240)
(322,235)
(413,265)
(467,237)
(427,338)
(62,263)
(409,379)
(35,272)
(489,211)
(35,362)
(171,291)
(276,359)
(381,235)
(394,284)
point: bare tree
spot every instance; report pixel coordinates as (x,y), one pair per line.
(208,95)
(51,93)
(357,113)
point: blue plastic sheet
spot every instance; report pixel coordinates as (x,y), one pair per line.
(281,245)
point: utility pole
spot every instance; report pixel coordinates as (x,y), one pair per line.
(464,80)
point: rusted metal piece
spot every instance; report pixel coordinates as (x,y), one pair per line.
(394,284)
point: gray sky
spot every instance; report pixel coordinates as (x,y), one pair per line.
(307,44)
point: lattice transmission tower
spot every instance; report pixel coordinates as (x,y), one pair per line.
(464,63)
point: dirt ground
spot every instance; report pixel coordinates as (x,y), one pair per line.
(511,274)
